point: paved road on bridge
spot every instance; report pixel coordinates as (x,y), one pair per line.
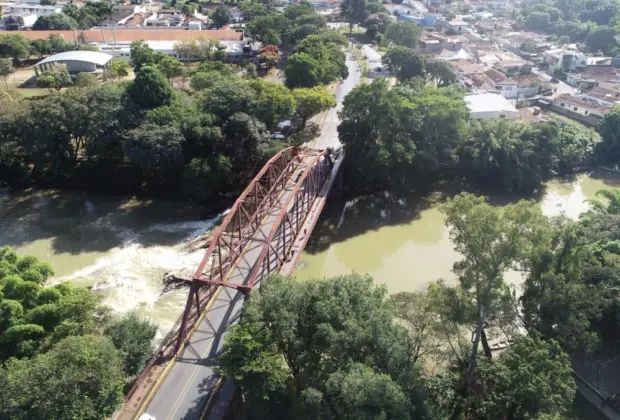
(189,382)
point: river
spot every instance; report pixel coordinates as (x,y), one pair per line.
(404,244)
(121,247)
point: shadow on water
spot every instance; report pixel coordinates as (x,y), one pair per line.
(77,222)
(346,218)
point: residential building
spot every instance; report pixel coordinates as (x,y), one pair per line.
(19,21)
(165,18)
(564,60)
(432,43)
(601,96)
(527,85)
(487,106)
(507,87)
(32,9)
(602,76)
(582,110)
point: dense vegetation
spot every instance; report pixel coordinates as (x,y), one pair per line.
(593,22)
(402,137)
(330,349)
(147,136)
(63,355)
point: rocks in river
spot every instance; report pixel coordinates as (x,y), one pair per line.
(176,280)
(200,242)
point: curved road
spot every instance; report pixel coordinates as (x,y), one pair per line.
(189,382)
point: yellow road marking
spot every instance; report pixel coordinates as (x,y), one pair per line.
(164,374)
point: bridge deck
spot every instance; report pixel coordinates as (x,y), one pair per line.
(187,386)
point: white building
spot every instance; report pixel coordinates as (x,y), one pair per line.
(488,106)
(565,60)
(76,62)
(33,9)
(122,50)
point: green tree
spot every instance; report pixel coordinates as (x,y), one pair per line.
(610,132)
(440,72)
(271,29)
(118,69)
(353,11)
(491,240)
(150,88)
(246,138)
(188,9)
(85,80)
(40,47)
(81,377)
(6,69)
(156,150)
(204,178)
(57,78)
(303,71)
(312,101)
(601,38)
(323,349)
(55,22)
(532,378)
(132,335)
(205,80)
(405,62)
(141,54)
(271,101)
(227,97)
(403,33)
(221,16)
(14,46)
(170,67)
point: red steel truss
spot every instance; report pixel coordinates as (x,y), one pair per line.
(264,196)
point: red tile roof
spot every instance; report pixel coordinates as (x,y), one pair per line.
(128,35)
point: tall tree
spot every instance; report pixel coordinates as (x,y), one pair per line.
(132,335)
(81,377)
(221,16)
(14,46)
(323,349)
(150,88)
(405,62)
(491,240)
(141,54)
(55,21)
(6,69)
(311,101)
(353,11)
(403,33)
(303,71)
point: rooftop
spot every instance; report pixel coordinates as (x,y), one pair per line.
(95,57)
(496,76)
(488,102)
(130,35)
(573,100)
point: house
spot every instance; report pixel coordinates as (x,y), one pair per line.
(19,21)
(601,96)
(33,9)
(122,49)
(165,18)
(579,109)
(507,87)
(602,76)
(564,60)
(487,106)
(432,43)
(527,85)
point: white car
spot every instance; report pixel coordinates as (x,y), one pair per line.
(146,416)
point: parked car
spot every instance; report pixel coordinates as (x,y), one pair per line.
(554,80)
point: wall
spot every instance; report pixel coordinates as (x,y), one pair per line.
(79,66)
(590,120)
(491,115)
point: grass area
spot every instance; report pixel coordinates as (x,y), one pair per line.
(28,93)
(561,118)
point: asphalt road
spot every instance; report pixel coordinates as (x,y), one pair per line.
(190,381)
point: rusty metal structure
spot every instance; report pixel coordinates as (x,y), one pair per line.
(270,212)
